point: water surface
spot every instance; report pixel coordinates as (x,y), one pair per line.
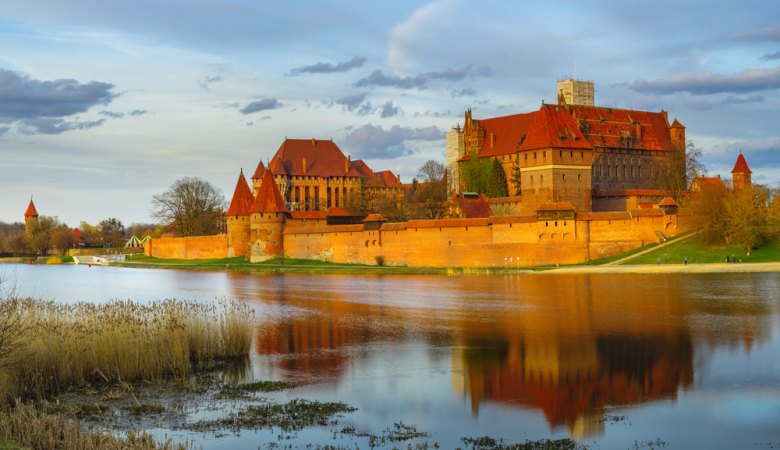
(691,359)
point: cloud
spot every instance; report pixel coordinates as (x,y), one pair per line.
(42,105)
(322,67)
(261,105)
(703,104)
(465,92)
(351,102)
(389,110)
(710,83)
(771,56)
(138,112)
(378,78)
(51,125)
(112,114)
(767,34)
(374,142)
(206,82)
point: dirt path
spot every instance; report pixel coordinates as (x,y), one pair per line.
(652,249)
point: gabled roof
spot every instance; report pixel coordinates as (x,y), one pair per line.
(609,127)
(268,199)
(389,179)
(676,124)
(242,199)
(740,167)
(507,133)
(323,159)
(553,127)
(31,211)
(259,171)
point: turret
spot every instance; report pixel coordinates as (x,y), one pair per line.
(257,177)
(238,222)
(677,135)
(267,217)
(30,218)
(741,175)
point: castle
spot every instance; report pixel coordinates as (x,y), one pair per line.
(590,181)
(596,158)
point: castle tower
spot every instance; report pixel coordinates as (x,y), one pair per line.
(30,218)
(237,215)
(267,216)
(575,92)
(741,174)
(455,151)
(257,177)
(677,135)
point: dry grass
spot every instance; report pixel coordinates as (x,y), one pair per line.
(33,428)
(74,345)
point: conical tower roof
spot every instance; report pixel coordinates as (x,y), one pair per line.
(268,199)
(259,171)
(242,198)
(741,165)
(31,211)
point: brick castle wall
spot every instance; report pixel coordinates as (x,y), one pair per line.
(450,242)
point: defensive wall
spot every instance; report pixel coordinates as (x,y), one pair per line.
(195,247)
(485,242)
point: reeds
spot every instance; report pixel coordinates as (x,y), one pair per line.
(36,429)
(78,344)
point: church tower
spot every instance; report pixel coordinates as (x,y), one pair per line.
(237,215)
(30,218)
(741,173)
(267,217)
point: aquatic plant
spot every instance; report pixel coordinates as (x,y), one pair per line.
(84,343)
(34,428)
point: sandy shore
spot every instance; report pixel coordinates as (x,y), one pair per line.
(673,268)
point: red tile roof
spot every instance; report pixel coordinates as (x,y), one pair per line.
(268,199)
(388,178)
(323,159)
(667,201)
(507,132)
(31,211)
(310,215)
(259,171)
(343,212)
(575,127)
(612,127)
(474,207)
(740,167)
(242,199)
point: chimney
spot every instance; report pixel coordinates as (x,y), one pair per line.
(399,178)
(492,140)
(638,131)
(346,166)
(313,142)
(304,163)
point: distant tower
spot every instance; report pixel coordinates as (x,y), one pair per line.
(575,92)
(455,151)
(267,216)
(238,225)
(741,173)
(30,218)
(677,135)
(257,177)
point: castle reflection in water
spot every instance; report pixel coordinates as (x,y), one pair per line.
(571,347)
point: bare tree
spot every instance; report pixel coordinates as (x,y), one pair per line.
(432,171)
(681,168)
(190,207)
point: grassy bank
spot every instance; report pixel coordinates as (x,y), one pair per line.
(698,253)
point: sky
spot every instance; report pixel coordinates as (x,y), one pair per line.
(104,104)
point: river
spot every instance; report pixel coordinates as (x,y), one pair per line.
(610,360)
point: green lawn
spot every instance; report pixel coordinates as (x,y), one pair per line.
(697,252)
